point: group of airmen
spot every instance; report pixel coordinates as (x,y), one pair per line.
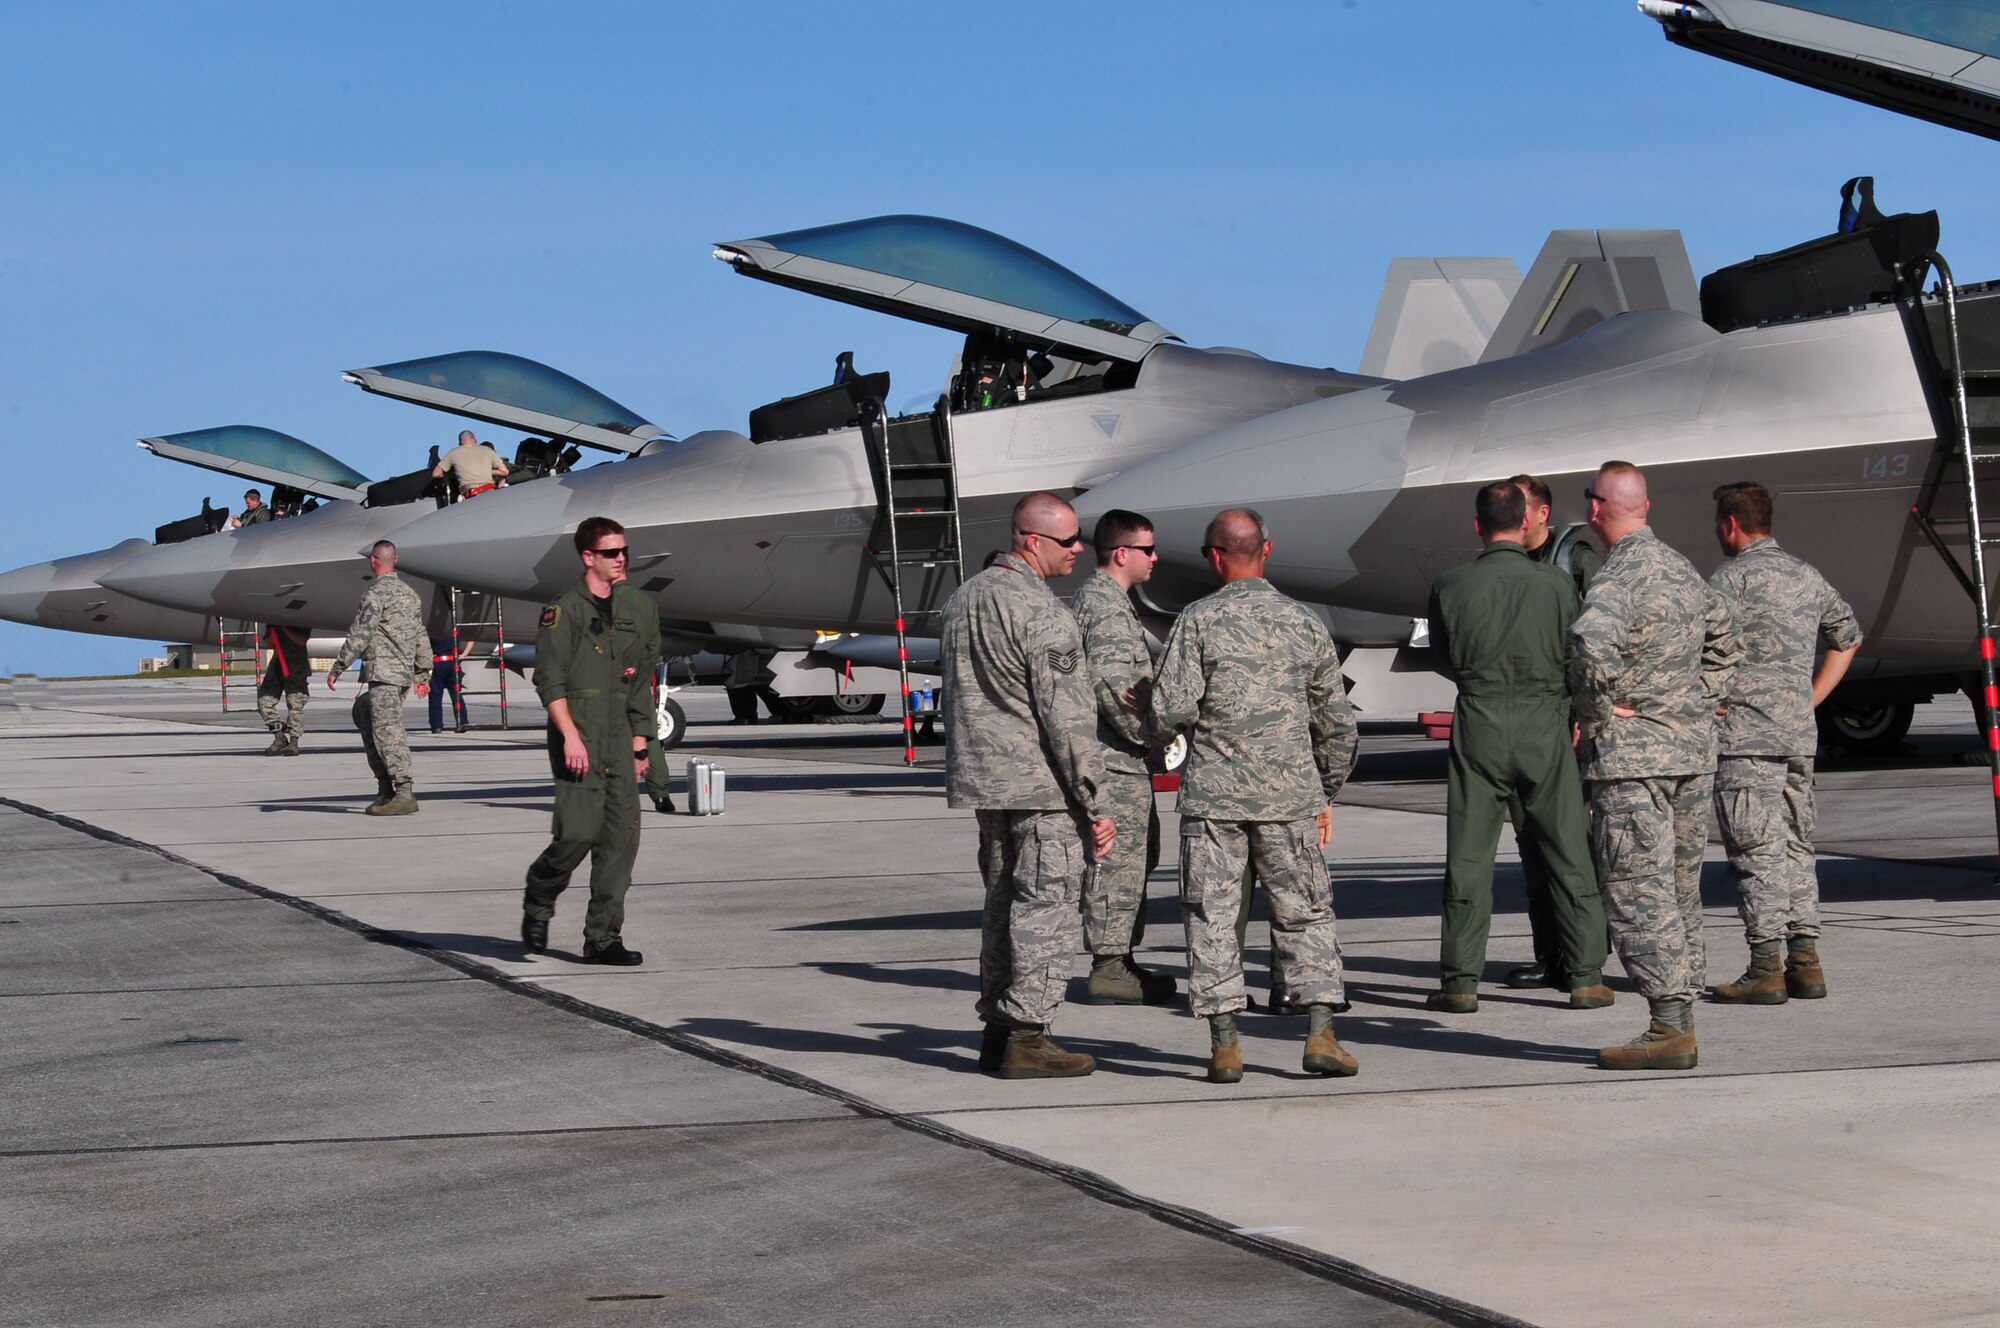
(1604,706)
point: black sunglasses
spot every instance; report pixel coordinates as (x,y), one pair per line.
(1074,541)
(1595,496)
(1150,550)
(618,552)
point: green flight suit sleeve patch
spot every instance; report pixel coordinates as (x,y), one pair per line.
(552,615)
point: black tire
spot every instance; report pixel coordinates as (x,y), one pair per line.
(789,709)
(851,703)
(1875,728)
(673,722)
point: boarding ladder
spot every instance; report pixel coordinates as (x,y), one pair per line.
(472,611)
(1955,469)
(916,542)
(237,641)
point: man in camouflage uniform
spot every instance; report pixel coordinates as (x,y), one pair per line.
(1273,740)
(1650,657)
(1501,626)
(285,676)
(594,660)
(388,635)
(1021,749)
(1581,561)
(1763,781)
(1114,890)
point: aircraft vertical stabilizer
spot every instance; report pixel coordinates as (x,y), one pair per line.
(1437,314)
(1582,278)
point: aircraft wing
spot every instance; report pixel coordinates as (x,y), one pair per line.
(1938,60)
(512,391)
(264,455)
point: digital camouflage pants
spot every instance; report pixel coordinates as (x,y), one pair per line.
(294,722)
(1114,890)
(1764,810)
(1033,864)
(378,717)
(1292,870)
(1648,836)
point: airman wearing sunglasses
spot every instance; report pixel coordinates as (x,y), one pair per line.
(594,661)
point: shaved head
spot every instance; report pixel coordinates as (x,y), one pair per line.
(1046,534)
(1237,544)
(1619,503)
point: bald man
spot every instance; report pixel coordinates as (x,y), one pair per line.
(1021,750)
(1651,655)
(1256,677)
(474,469)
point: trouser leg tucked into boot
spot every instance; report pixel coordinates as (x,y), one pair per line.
(1763,983)
(1667,1043)
(1225,1053)
(1324,1055)
(1804,978)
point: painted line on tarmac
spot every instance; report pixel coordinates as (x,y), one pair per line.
(1331,1268)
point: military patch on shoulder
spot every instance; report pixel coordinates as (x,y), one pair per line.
(1063,661)
(552,615)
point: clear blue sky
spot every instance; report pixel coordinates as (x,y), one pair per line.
(208,210)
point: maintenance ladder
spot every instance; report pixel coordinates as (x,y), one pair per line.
(1951,482)
(238,641)
(916,541)
(470,611)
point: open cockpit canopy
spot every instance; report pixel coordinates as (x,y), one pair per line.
(513,391)
(1938,60)
(262,454)
(951,275)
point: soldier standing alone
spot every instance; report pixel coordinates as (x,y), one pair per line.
(388,635)
(1763,781)
(1501,624)
(1273,741)
(1021,749)
(594,661)
(1650,657)
(1114,892)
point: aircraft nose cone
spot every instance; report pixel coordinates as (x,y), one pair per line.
(511,541)
(22,592)
(180,576)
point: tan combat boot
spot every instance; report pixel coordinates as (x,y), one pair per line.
(1763,983)
(1453,1002)
(1225,1063)
(291,747)
(401,804)
(1326,1056)
(1660,1047)
(277,743)
(1033,1056)
(1804,978)
(1594,997)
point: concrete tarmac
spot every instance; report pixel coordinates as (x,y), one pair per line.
(404,1118)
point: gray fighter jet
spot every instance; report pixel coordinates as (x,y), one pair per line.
(1058,384)
(1846,414)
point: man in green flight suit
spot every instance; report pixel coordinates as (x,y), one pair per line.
(1501,626)
(594,660)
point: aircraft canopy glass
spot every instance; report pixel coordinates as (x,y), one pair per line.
(962,258)
(948,274)
(259,453)
(495,376)
(1970,27)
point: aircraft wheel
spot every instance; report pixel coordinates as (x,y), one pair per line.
(789,709)
(851,703)
(1867,729)
(672,721)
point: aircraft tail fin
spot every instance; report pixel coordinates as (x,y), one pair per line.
(1437,314)
(1582,278)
